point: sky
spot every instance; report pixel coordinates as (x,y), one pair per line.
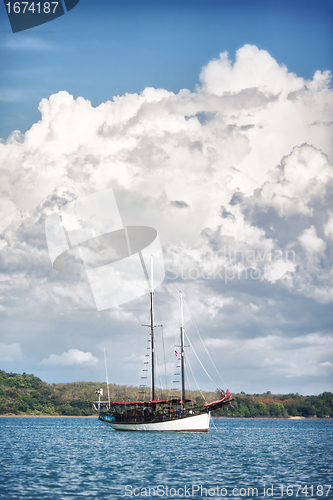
(211,122)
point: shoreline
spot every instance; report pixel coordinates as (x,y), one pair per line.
(8,415)
(12,415)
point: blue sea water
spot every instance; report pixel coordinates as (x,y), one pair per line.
(82,458)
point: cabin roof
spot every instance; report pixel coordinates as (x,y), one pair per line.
(150,403)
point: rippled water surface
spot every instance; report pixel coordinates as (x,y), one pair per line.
(71,458)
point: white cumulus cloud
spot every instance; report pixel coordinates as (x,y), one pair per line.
(253,68)
(236,177)
(311,243)
(70,358)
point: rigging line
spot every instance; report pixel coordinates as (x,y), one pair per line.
(174,389)
(138,385)
(202,366)
(142,388)
(169,385)
(143,342)
(173,362)
(175,359)
(208,353)
(164,361)
(186,374)
(158,372)
(214,424)
(162,334)
(196,326)
(157,363)
(107,379)
(195,380)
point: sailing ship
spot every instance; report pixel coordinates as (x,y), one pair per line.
(174,414)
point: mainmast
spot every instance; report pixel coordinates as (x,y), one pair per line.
(152,346)
(182,348)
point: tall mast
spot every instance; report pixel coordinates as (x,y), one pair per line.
(152,346)
(182,347)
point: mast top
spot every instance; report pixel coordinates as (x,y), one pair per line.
(181,310)
(151,274)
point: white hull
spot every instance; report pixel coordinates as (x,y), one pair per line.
(196,423)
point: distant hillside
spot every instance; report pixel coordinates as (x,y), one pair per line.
(28,395)
(278,405)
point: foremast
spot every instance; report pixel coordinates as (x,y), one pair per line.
(152,338)
(182,352)
(152,329)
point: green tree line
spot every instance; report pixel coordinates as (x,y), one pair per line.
(29,395)
(279,406)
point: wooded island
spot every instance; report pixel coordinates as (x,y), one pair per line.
(29,395)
